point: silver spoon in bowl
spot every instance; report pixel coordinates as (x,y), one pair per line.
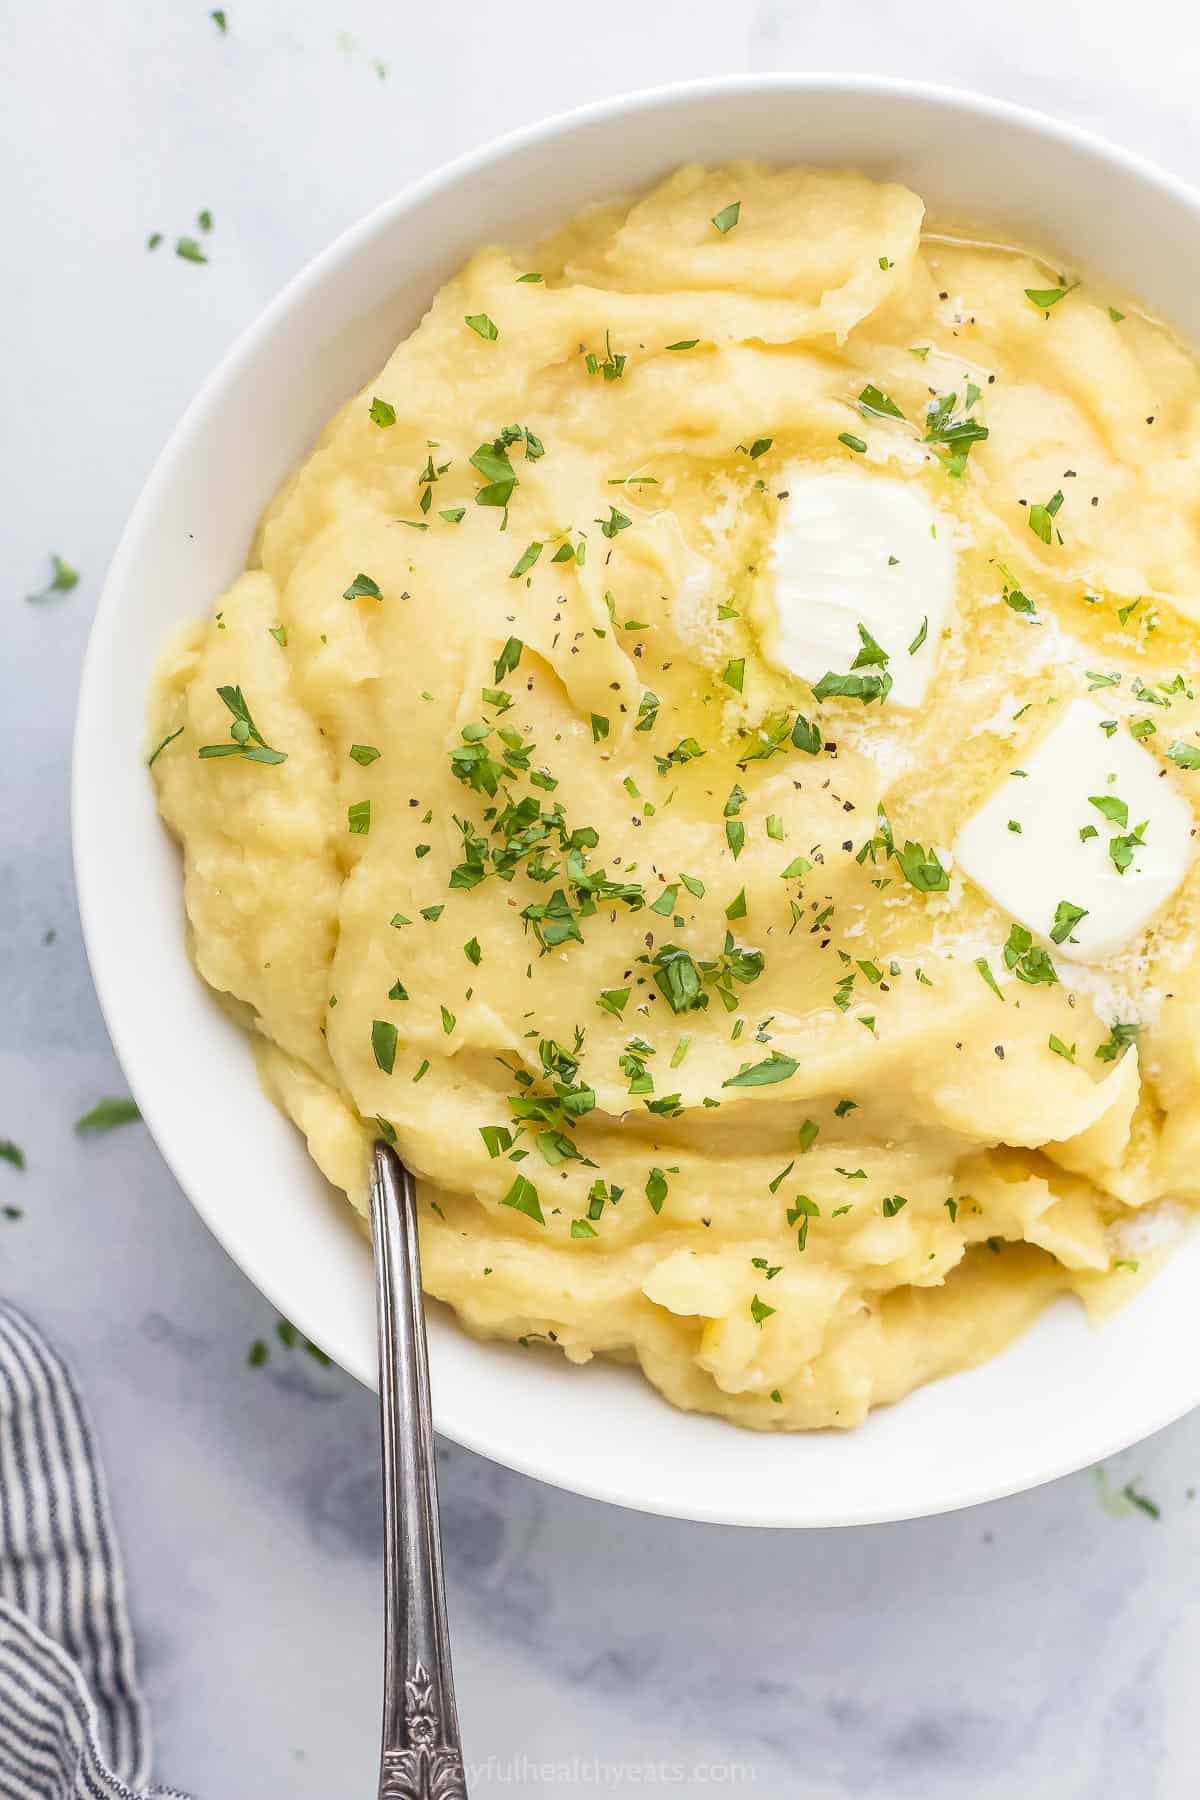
(421,1753)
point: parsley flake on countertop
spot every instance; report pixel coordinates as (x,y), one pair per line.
(108,1113)
(189,250)
(12,1153)
(62,579)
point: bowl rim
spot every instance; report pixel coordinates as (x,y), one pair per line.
(106,974)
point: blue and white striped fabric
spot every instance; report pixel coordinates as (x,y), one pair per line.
(72,1719)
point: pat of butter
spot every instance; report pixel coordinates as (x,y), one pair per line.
(1029,872)
(859,549)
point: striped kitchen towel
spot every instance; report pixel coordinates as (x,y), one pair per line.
(72,1718)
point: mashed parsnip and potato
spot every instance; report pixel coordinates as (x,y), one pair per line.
(704,759)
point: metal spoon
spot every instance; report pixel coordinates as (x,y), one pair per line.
(421,1754)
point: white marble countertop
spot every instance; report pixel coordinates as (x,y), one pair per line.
(1044,1646)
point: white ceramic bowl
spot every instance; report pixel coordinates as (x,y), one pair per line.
(1064,1395)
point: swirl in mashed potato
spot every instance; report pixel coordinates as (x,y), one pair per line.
(702,759)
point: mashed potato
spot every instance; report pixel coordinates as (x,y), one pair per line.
(521,817)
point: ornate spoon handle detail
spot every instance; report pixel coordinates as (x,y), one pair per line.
(421,1756)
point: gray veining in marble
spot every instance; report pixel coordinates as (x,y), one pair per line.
(1043,1648)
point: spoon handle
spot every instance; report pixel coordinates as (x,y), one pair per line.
(421,1755)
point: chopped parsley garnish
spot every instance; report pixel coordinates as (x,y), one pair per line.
(615,1000)
(759,1310)
(853,686)
(189,250)
(493,463)
(1041,518)
(12,1153)
(807,1135)
(1121,849)
(1066,918)
(525,561)
(613,366)
(922,869)
(383,1042)
(220,20)
(159,748)
(383,413)
(1184,756)
(851,442)
(893,1204)
(248,741)
(616,521)
(482,326)
(107,1114)
(1045,298)
(1028,962)
(876,404)
(759,447)
(955,436)
(1066,1051)
(686,750)
(358,817)
(984,968)
(682,981)
(773,1068)
(364,754)
(922,634)
(656,1189)
(728,217)
(684,344)
(509,657)
(735,673)
(1110,807)
(362,588)
(522,1196)
(1120,1036)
